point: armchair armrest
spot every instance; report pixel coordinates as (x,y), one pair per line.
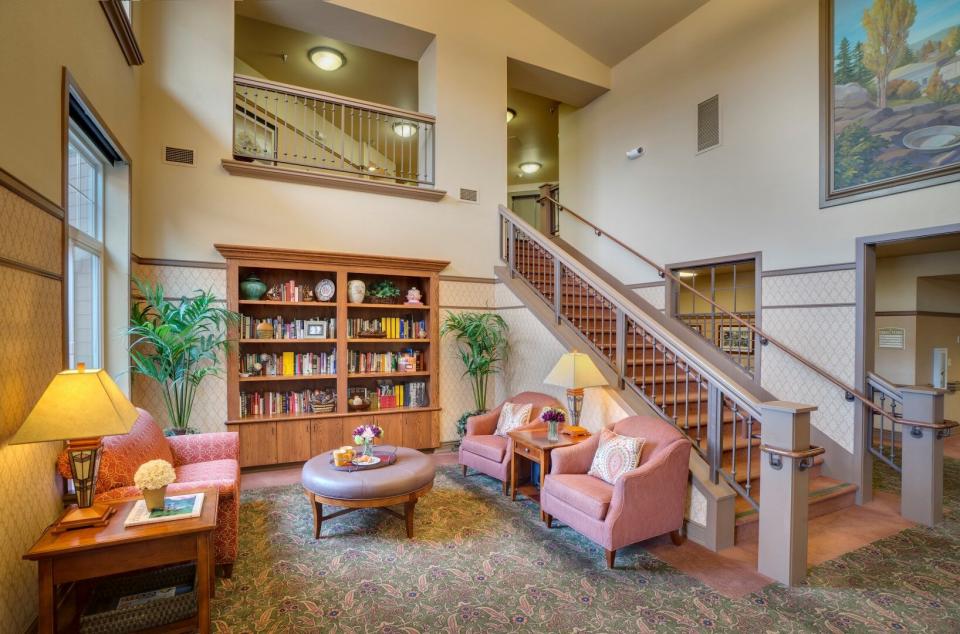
(194,448)
(575,458)
(483,424)
(660,483)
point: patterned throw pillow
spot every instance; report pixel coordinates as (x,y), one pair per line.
(512,415)
(615,456)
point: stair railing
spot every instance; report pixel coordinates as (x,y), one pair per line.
(883,434)
(850,393)
(714,412)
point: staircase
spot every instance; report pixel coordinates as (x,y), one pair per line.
(659,371)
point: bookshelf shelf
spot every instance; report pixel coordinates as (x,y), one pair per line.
(290,438)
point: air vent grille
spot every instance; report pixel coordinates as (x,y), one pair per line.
(469,195)
(177,156)
(708,124)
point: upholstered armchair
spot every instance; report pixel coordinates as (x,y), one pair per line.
(490,454)
(200,460)
(643,503)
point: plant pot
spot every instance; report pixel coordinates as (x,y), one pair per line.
(384,300)
(252,288)
(154,498)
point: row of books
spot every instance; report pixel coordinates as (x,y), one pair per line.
(390,395)
(404,361)
(315,328)
(391,327)
(272,403)
(289,363)
(290,291)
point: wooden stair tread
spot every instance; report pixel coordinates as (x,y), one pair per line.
(821,490)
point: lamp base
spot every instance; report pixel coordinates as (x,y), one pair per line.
(575,430)
(76,517)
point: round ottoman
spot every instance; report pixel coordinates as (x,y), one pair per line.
(403,482)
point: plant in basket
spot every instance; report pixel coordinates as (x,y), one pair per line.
(365,435)
(384,292)
(553,417)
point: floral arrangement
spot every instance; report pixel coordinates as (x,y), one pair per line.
(553,415)
(364,434)
(154,474)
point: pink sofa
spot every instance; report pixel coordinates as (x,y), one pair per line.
(200,460)
(645,502)
(490,454)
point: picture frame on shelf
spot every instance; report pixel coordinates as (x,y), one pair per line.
(315,330)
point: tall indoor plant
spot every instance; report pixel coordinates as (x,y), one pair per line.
(178,344)
(483,346)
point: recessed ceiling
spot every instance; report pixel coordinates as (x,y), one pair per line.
(609,30)
(918,246)
(532,137)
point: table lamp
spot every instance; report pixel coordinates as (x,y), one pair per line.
(575,371)
(80,406)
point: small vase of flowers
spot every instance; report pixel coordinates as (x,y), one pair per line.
(365,435)
(152,479)
(553,417)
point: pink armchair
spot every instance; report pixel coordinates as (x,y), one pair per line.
(490,454)
(645,502)
(200,460)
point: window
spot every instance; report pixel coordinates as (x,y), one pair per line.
(85,168)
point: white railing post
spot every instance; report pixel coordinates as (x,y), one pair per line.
(786,456)
(921,476)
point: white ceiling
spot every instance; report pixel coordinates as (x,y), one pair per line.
(609,30)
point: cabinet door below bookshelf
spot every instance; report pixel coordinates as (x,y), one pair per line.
(418,429)
(392,426)
(326,434)
(258,443)
(293,441)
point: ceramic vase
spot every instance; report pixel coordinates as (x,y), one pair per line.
(356,290)
(553,430)
(154,498)
(252,288)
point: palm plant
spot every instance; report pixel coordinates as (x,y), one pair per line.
(178,344)
(483,346)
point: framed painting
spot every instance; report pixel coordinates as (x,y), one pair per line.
(890,97)
(736,339)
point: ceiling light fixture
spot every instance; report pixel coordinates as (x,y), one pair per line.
(686,274)
(530,167)
(511,113)
(405,129)
(326,58)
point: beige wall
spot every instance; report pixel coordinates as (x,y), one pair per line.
(759,189)
(896,279)
(939,332)
(183,211)
(898,365)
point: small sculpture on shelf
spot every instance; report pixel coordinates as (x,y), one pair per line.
(414,296)
(274,294)
(308,295)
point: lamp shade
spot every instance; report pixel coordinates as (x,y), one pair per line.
(575,370)
(78,404)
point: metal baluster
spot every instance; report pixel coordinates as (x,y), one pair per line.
(883,423)
(749,453)
(675,361)
(733,436)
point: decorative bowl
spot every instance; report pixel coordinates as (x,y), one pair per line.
(935,138)
(362,407)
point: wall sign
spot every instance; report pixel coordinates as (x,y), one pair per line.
(892,337)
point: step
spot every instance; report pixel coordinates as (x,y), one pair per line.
(826,496)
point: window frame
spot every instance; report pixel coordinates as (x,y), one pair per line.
(121,22)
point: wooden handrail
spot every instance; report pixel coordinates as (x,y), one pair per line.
(764,337)
(800,454)
(256,82)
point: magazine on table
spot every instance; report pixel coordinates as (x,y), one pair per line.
(175,507)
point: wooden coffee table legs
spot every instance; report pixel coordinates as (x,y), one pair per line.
(408,500)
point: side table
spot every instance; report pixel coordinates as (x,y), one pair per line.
(88,553)
(534,447)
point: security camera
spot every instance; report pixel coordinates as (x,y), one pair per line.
(635,153)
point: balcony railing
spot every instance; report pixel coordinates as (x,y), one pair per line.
(280,124)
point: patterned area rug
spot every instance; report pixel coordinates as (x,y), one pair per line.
(480,563)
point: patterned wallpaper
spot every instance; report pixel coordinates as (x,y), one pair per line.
(31,349)
(656,295)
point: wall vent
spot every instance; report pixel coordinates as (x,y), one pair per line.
(178,156)
(468,195)
(708,124)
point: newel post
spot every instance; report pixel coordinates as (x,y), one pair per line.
(545,220)
(921,478)
(786,456)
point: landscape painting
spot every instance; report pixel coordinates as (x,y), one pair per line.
(892,96)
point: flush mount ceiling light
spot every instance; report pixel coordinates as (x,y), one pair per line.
(326,58)
(686,274)
(405,129)
(530,167)
(511,113)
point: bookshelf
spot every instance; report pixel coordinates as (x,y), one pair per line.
(287,430)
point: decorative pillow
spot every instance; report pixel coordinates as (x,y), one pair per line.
(615,456)
(512,415)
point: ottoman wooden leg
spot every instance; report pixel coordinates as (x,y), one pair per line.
(317,509)
(408,516)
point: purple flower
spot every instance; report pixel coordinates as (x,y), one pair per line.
(368,431)
(552,414)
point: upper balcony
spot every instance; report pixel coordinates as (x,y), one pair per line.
(290,133)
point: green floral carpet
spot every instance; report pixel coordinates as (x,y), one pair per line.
(480,563)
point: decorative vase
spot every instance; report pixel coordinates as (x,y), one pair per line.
(265,330)
(356,291)
(368,449)
(252,288)
(553,430)
(154,498)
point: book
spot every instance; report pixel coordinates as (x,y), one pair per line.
(176,507)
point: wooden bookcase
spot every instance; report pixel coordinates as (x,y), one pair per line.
(290,438)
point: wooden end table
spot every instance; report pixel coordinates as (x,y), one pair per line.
(534,447)
(88,553)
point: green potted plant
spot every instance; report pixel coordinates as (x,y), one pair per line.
(178,344)
(483,347)
(384,292)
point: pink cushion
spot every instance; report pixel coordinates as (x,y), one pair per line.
(615,456)
(591,496)
(224,474)
(489,447)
